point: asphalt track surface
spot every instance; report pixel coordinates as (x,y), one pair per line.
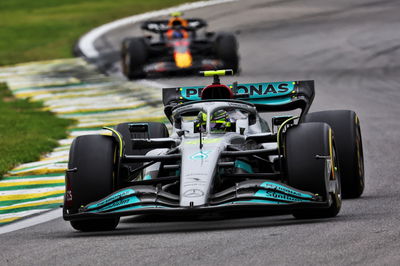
(352,50)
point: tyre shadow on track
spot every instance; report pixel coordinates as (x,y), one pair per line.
(151,224)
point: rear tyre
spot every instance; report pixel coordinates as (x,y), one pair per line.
(155,130)
(346,126)
(93,158)
(227,51)
(306,172)
(133,57)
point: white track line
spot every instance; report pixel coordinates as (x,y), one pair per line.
(50,215)
(86,42)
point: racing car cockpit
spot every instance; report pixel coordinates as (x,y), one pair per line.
(216,117)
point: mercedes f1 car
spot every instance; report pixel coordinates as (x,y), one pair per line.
(179,48)
(222,156)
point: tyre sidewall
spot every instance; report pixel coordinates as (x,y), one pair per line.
(93,158)
(304,171)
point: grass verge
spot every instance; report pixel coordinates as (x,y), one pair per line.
(47,29)
(26,132)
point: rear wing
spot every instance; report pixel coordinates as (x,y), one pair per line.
(159,26)
(266,96)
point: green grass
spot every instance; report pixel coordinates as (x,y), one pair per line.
(25,131)
(34,30)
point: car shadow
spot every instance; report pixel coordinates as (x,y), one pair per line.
(152,224)
(163,224)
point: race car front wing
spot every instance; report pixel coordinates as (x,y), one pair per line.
(254,194)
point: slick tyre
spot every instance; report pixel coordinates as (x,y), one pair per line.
(307,172)
(133,57)
(155,130)
(346,126)
(227,51)
(92,161)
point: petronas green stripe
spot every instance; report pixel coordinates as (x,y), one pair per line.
(31,176)
(32,186)
(11,202)
(45,206)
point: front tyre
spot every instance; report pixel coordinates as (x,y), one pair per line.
(91,177)
(95,225)
(311,165)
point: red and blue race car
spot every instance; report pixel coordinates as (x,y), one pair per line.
(179,48)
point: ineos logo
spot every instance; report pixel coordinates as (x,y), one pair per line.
(193,193)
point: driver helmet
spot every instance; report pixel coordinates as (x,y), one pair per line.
(219,122)
(177,34)
(177,29)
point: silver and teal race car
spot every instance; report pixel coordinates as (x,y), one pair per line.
(221,156)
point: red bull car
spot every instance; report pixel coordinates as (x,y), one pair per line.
(179,48)
(222,156)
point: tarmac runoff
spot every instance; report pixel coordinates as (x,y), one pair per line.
(70,88)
